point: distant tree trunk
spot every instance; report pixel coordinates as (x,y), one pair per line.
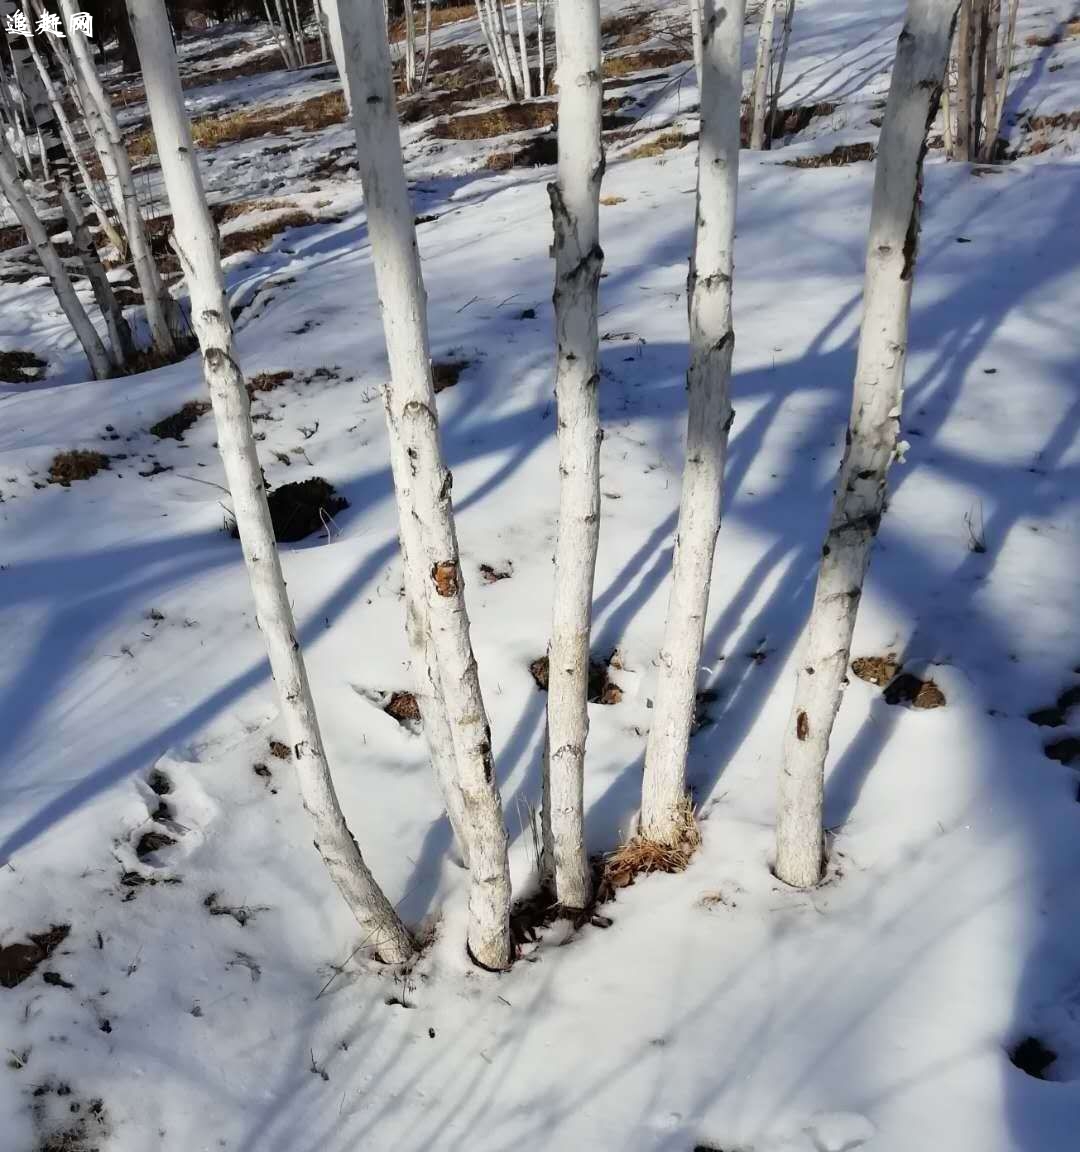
(161,312)
(12,114)
(541,48)
(298,25)
(496,48)
(410,46)
(990,82)
(320,19)
(333,27)
(759,94)
(292,62)
(279,36)
(963,82)
(979,26)
(872,438)
(413,421)
(708,382)
(427,43)
(1007,56)
(196,243)
(11,186)
(695,37)
(526,75)
(575,211)
(506,47)
(778,78)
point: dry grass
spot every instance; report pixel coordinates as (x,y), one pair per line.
(255,239)
(665,142)
(626,30)
(249,124)
(223,213)
(639,856)
(837,158)
(610,201)
(497,121)
(642,61)
(439,17)
(266,382)
(77,464)
(544,150)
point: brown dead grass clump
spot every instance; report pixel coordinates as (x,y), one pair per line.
(538,153)
(18,961)
(841,155)
(626,30)
(496,121)
(648,58)
(223,213)
(910,690)
(601,690)
(266,382)
(402,707)
(21,367)
(77,464)
(12,237)
(173,427)
(879,670)
(639,857)
(255,239)
(665,142)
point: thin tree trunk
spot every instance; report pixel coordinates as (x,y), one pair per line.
(196,242)
(324,49)
(410,46)
(498,64)
(161,312)
(10,184)
(68,135)
(333,27)
(506,47)
(11,112)
(1003,86)
(427,43)
(709,417)
(575,211)
(424,492)
(526,75)
(541,48)
(963,82)
(759,95)
(872,438)
(990,82)
(287,37)
(283,46)
(695,37)
(781,60)
(298,25)
(978,19)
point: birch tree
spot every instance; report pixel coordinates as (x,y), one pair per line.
(523,43)
(333,28)
(541,47)
(778,70)
(695,37)
(410,46)
(575,212)
(872,437)
(759,91)
(196,244)
(17,198)
(162,314)
(421,480)
(962,134)
(709,417)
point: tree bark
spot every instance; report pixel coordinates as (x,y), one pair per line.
(526,75)
(410,46)
(759,96)
(100,364)
(990,81)
(505,81)
(781,60)
(575,211)
(196,242)
(712,339)
(324,48)
(541,48)
(427,44)
(695,37)
(333,27)
(963,83)
(13,115)
(413,421)
(161,312)
(979,27)
(279,36)
(506,47)
(872,437)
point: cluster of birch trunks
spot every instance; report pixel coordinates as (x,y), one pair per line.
(447,684)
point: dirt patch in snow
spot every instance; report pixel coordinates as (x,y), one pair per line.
(658,145)
(879,670)
(602,689)
(1065,751)
(77,464)
(915,693)
(297,510)
(537,153)
(21,367)
(256,238)
(19,961)
(492,575)
(631,62)
(266,382)
(497,121)
(841,155)
(173,427)
(446,373)
(1032,1056)
(403,708)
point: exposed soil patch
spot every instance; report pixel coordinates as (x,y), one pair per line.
(491,575)
(403,708)
(1065,751)
(223,213)
(537,153)
(626,30)
(1032,1056)
(631,62)
(173,427)
(78,464)
(1057,714)
(151,842)
(446,373)
(21,367)
(878,670)
(841,155)
(301,508)
(266,382)
(19,961)
(256,238)
(280,751)
(787,121)
(497,121)
(602,690)
(910,690)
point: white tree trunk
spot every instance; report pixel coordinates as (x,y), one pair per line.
(991,116)
(66,131)
(1010,42)
(298,27)
(505,81)
(196,243)
(712,340)
(872,438)
(13,117)
(324,48)
(279,36)
(333,27)
(100,364)
(781,60)
(506,47)
(161,312)
(541,48)
(427,43)
(963,83)
(575,210)
(759,94)
(526,75)
(410,46)
(411,412)
(978,71)
(695,37)
(287,37)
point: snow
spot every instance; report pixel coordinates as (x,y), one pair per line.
(720,1007)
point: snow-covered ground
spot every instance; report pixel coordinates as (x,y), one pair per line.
(214,999)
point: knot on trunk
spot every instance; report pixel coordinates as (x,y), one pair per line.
(445,576)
